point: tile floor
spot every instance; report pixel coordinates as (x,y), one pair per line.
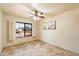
(36,48)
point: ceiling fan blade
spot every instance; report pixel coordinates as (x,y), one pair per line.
(41,16)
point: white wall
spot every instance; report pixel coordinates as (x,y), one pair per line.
(66,34)
(0,31)
(9,30)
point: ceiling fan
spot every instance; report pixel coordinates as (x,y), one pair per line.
(34,12)
(37,14)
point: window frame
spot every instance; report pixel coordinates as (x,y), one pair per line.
(24,29)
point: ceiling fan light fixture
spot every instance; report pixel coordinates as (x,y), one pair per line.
(36,18)
(39,14)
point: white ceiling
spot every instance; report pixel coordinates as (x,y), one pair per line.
(49,9)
